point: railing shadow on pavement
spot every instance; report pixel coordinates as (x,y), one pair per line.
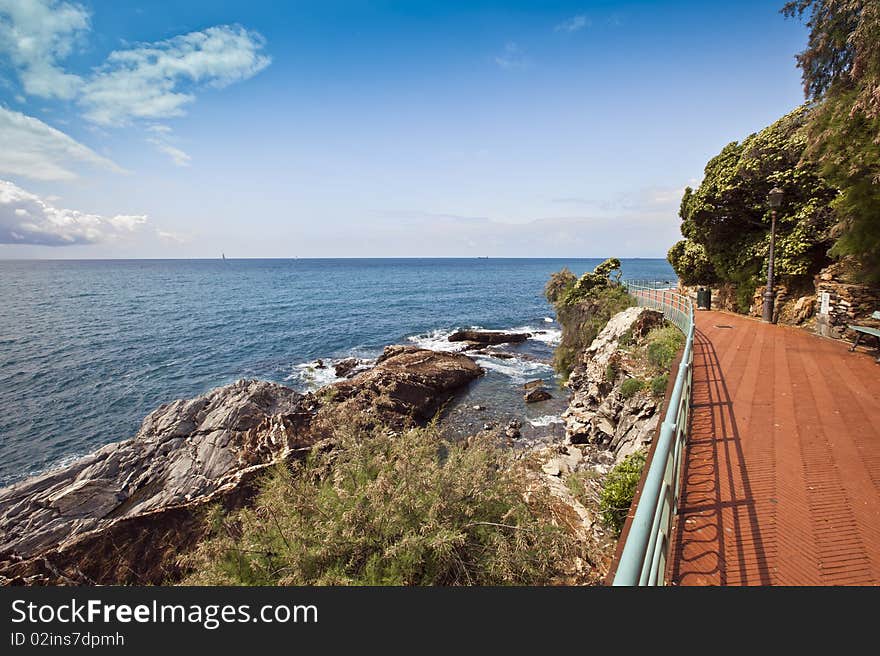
(717,506)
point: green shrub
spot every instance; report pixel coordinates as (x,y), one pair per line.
(578,483)
(378,509)
(663,345)
(564,359)
(659,384)
(559,285)
(583,288)
(630,387)
(619,488)
(613,368)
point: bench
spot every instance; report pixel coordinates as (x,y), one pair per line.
(866,330)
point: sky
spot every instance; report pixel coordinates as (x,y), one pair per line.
(373,129)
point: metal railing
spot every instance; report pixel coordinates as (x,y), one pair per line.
(643,559)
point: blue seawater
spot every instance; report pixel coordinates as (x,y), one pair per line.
(88,348)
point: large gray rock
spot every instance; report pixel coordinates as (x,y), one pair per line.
(184,450)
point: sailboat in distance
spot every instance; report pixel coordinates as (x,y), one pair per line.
(223,256)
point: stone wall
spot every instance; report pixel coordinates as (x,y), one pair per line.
(723,296)
(848,303)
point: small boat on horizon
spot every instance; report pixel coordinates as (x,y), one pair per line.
(223,256)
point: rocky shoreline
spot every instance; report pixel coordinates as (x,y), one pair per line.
(123,514)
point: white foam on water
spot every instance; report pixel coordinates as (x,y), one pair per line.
(518,370)
(438,340)
(312,377)
(548,319)
(61,463)
(549,336)
(545,420)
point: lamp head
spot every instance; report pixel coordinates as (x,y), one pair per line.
(774,198)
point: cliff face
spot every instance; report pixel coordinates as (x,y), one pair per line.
(601,414)
(122,513)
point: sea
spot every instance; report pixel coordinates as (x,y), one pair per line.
(89,348)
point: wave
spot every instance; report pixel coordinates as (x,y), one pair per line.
(59,463)
(313,377)
(517,369)
(545,420)
(549,336)
(438,340)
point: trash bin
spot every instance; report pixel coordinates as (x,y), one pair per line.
(704,298)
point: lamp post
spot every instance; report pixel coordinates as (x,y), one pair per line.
(774,200)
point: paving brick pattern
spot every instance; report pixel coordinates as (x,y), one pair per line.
(781,479)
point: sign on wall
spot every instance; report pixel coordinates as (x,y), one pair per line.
(824,302)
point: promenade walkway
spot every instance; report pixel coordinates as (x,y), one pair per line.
(781,480)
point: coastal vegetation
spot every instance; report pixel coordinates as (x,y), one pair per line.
(650,360)
(583,307)
(726,221)
(841,73)
(824,155)
(380,508)
(619,488)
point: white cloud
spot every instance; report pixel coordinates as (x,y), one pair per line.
(156,80)
(25,218)
(162,141)
(32,149)
(173,237)
(36,35)
(179,157)
(573,24)
(512,57)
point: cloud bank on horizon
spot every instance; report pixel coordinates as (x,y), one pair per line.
(25,218)
(283,132)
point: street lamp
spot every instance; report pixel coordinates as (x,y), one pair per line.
(774,200)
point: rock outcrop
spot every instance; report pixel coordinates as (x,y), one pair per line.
(537,395)
(407,381)
(346,368)
(488,337)
(598,414)
(123,513)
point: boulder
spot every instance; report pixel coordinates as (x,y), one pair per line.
(537,394)
(407,381)
(488,337)
(345,368)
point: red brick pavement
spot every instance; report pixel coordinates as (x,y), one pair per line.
(781,480)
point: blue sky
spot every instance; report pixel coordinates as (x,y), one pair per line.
(373,129)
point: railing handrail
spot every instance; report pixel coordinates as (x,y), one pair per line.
(644,555)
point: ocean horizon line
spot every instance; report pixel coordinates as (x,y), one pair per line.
(313,259)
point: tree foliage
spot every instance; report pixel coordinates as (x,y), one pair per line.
(583,307)
(728,217)
(691,263)
(841,72)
